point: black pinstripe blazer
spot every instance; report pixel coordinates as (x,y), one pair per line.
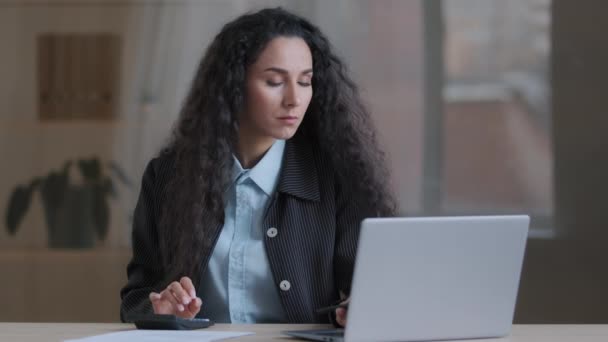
(314,250)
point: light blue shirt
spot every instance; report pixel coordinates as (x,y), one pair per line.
(238,286)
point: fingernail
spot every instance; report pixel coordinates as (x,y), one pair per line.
(180,307)
(185,301)
(192,294)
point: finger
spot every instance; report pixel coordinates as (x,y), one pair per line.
(188,286)
(341,316)
(168,296)
(191,309)
(154,297)
(180,294)
(195,306)
(160,306)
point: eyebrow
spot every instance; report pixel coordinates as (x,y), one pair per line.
(283,71)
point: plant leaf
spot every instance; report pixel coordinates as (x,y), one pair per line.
(17,207)
(108,187)
(120,174)
(66,166)
(101,211)
(35,183)
(90,169)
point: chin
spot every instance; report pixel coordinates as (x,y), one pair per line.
(285,134)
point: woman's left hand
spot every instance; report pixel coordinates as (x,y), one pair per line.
(341,314)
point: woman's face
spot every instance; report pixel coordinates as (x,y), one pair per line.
(278,90)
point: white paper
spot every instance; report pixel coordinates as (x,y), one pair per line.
(162,335)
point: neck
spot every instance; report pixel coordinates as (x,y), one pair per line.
(250,149)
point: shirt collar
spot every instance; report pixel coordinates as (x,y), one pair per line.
(265,173)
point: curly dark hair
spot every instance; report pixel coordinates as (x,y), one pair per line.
(206,133)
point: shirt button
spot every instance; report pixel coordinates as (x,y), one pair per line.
(272,232)
(285,285)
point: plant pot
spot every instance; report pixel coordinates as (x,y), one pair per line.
(71,224)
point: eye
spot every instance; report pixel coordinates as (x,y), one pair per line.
(304,84)
(273,84)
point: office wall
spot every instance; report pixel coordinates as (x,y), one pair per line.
(580,123)
(38,283)
(161,44)
(565,279)
(31,147)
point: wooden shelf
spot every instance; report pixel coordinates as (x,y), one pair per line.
(44,285)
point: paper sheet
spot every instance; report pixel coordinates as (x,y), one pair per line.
(162,335)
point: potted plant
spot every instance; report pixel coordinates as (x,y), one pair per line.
(74,212)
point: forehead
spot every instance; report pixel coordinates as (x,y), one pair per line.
(289,53)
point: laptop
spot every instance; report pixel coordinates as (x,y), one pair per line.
(434,278)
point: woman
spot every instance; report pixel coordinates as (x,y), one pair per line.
(251,213)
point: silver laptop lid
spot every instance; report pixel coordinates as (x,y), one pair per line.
(436,278)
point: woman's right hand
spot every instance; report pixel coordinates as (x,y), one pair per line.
(179,299)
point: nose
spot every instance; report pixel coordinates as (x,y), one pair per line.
(291,97)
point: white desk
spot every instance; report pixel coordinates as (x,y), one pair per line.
(27,332)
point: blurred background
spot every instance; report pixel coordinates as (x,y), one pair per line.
(484,107)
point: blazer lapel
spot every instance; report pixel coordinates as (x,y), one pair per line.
(299,174)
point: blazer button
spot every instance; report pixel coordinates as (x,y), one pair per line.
(272,232)
(285,285)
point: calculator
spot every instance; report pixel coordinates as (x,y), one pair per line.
(169,322)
